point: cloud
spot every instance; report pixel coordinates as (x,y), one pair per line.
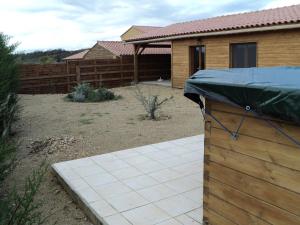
(281,3)
(73,24)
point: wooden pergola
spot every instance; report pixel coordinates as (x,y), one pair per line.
(138,50)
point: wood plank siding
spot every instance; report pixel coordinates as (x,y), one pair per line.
(254,180)
(277,48)
(133,31)
(98,52)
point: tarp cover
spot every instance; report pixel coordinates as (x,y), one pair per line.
(269,91)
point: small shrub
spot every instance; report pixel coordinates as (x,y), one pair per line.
(151,103)
(85,93)
(7,156)
(20,208)
(9,110)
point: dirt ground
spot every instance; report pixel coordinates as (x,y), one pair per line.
(85,129)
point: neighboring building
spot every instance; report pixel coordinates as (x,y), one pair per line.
(77,56)
(113,50)
(262,38)
(135,30)
(154,62)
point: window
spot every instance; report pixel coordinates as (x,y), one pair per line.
(197,58)
(243,55)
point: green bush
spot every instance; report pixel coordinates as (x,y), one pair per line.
(85,93)
(20,208)
(16,208)
(9,83)
(7,156)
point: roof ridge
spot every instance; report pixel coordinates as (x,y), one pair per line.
(234,14)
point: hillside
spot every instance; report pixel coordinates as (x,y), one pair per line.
(44,57)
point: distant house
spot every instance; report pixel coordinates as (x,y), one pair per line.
(254,39)
(113,50)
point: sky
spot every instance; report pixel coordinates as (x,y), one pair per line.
(77,24)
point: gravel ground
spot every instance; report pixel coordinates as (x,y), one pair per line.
(57,130)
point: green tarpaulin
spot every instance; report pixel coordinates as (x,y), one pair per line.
(268,91)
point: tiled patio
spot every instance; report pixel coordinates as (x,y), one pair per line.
(154,184)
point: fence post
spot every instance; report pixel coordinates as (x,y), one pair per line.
(78,78)
(121,66)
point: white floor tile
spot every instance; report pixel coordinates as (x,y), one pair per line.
(158,155)
(140,182)
(88,195)
(164,145)
(149,167)
(101,208)
(146,149)
(156,192)
(69,175)
(114,165)
(195,195)
(80,162)
(189,168)
(78,184)
(99,179)
(196,214)
(183,184)
(146,215)
(85,171)
(126,173)
(117,219)
(186,220)
(127,201)
(115,185)
(165,175)
(126,154)
(103,158)
(112,189)
(176,205)
(170,222)
(137,160)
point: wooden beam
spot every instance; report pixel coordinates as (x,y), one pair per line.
(135,63)
(143,48)
(156,45)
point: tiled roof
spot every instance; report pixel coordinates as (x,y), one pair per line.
(79,55)
(269,17)
(146,28)
(119,48)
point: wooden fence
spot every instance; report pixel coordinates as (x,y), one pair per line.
(61,78)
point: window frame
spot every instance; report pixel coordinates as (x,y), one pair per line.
(242,43)
(192,58)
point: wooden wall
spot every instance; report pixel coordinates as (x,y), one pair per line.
(98,52)
(254,180)
(131,32)
(61,78)
(277,48)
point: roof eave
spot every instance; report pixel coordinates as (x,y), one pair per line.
(218,33)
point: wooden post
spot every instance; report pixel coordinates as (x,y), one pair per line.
(135,63)
(121,68)
(78,78)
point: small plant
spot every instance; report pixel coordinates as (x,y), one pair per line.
(7,158)
(151,103)
(85,93)
(9,110)
(20,208)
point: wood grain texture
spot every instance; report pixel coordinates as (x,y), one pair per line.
(254,180)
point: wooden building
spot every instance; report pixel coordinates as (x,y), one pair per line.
(255,39)
(251,145)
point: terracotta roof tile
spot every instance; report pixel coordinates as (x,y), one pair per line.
(277,16)
(79,55)
(120,48)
